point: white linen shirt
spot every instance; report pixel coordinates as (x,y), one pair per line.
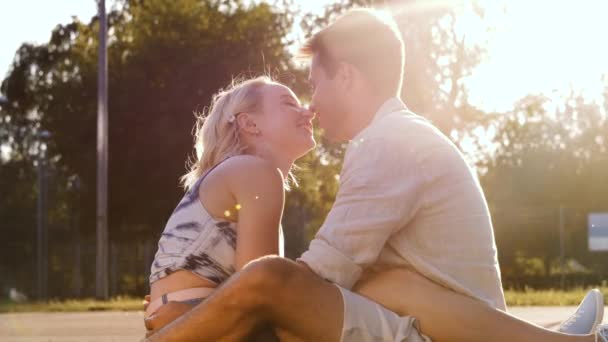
(407,198)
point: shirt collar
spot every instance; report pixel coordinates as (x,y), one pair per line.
(393,104)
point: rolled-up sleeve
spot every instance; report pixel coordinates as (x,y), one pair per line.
(378,195)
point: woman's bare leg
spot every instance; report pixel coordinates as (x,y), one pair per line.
(445,315)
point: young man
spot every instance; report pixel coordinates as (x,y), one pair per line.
(409,220)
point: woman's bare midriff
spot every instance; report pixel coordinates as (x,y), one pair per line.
(178,280)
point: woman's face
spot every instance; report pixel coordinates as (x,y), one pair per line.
(285,125)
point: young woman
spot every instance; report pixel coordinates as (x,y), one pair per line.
(246,145)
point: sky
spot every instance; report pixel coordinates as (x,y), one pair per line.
(542,46)
(33,21)
(539,46)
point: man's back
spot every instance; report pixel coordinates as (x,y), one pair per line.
(408,199)
(450,238)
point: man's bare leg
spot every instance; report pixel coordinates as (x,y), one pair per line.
(297,302)
(445,315)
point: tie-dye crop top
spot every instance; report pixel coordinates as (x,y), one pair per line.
(195,241)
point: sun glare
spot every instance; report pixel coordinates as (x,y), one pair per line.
(548,47)
(541,46)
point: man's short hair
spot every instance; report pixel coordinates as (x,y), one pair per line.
(366,38)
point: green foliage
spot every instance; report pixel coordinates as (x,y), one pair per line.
(308,204)
(166,60)
(546,156)
(530,297)
(119,303)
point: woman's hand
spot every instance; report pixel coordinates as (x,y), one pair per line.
(165,315)
(146,302)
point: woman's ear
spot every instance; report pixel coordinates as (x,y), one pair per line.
(246,124)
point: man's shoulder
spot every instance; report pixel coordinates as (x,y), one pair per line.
(403,138)
(405,127)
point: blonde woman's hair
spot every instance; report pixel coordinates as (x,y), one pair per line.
(216,131)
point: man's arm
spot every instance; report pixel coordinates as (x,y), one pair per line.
(379,192)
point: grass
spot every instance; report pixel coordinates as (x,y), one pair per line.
(119,303)
(527,297)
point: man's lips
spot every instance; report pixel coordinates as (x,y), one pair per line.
(307,126)
(314,110)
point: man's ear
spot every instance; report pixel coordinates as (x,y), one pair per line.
(346,75)
(246,123)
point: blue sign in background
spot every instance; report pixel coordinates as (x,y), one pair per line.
(598,231)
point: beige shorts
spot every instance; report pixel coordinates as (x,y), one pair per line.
(367,321)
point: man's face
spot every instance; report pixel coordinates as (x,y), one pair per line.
(327,101)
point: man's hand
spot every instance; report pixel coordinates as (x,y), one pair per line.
(165,315)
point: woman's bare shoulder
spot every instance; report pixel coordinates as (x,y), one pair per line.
(247,173)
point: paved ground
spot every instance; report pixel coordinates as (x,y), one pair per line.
(127,326)
(73,326)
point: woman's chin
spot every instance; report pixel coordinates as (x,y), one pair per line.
(308,141)
(309,147)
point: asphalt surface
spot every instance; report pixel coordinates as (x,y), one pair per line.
(128,326)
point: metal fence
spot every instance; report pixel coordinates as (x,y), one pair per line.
(539,247)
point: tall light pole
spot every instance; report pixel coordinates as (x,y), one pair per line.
(101,288)
(562,247)
(74,186)
(42,246)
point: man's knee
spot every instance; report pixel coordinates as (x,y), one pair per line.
(267,277)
